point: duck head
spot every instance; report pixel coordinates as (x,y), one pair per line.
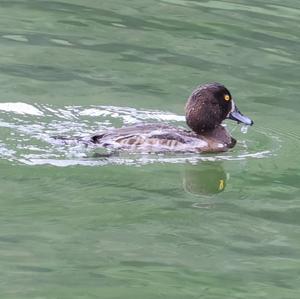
(209,105)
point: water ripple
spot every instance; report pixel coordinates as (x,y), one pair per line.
(44,134)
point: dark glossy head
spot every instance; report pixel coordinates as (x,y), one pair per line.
(209,105)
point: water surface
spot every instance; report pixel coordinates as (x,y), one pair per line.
(150,226)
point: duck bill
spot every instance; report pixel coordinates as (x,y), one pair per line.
(236,115)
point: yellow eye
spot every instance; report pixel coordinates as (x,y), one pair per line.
(226,97)
(221,185)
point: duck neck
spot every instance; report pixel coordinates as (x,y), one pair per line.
(219,134)
(214,132)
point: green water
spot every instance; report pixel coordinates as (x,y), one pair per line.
(189,226)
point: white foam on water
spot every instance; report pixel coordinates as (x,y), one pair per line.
(20,108)
(94,112)
(131,115)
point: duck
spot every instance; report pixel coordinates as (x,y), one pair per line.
(206,109)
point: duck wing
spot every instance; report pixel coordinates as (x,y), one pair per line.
(147,136)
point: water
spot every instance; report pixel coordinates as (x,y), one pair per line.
(151,226)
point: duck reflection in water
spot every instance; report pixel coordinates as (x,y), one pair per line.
(206,178)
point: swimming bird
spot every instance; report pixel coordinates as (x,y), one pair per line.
(206,108)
